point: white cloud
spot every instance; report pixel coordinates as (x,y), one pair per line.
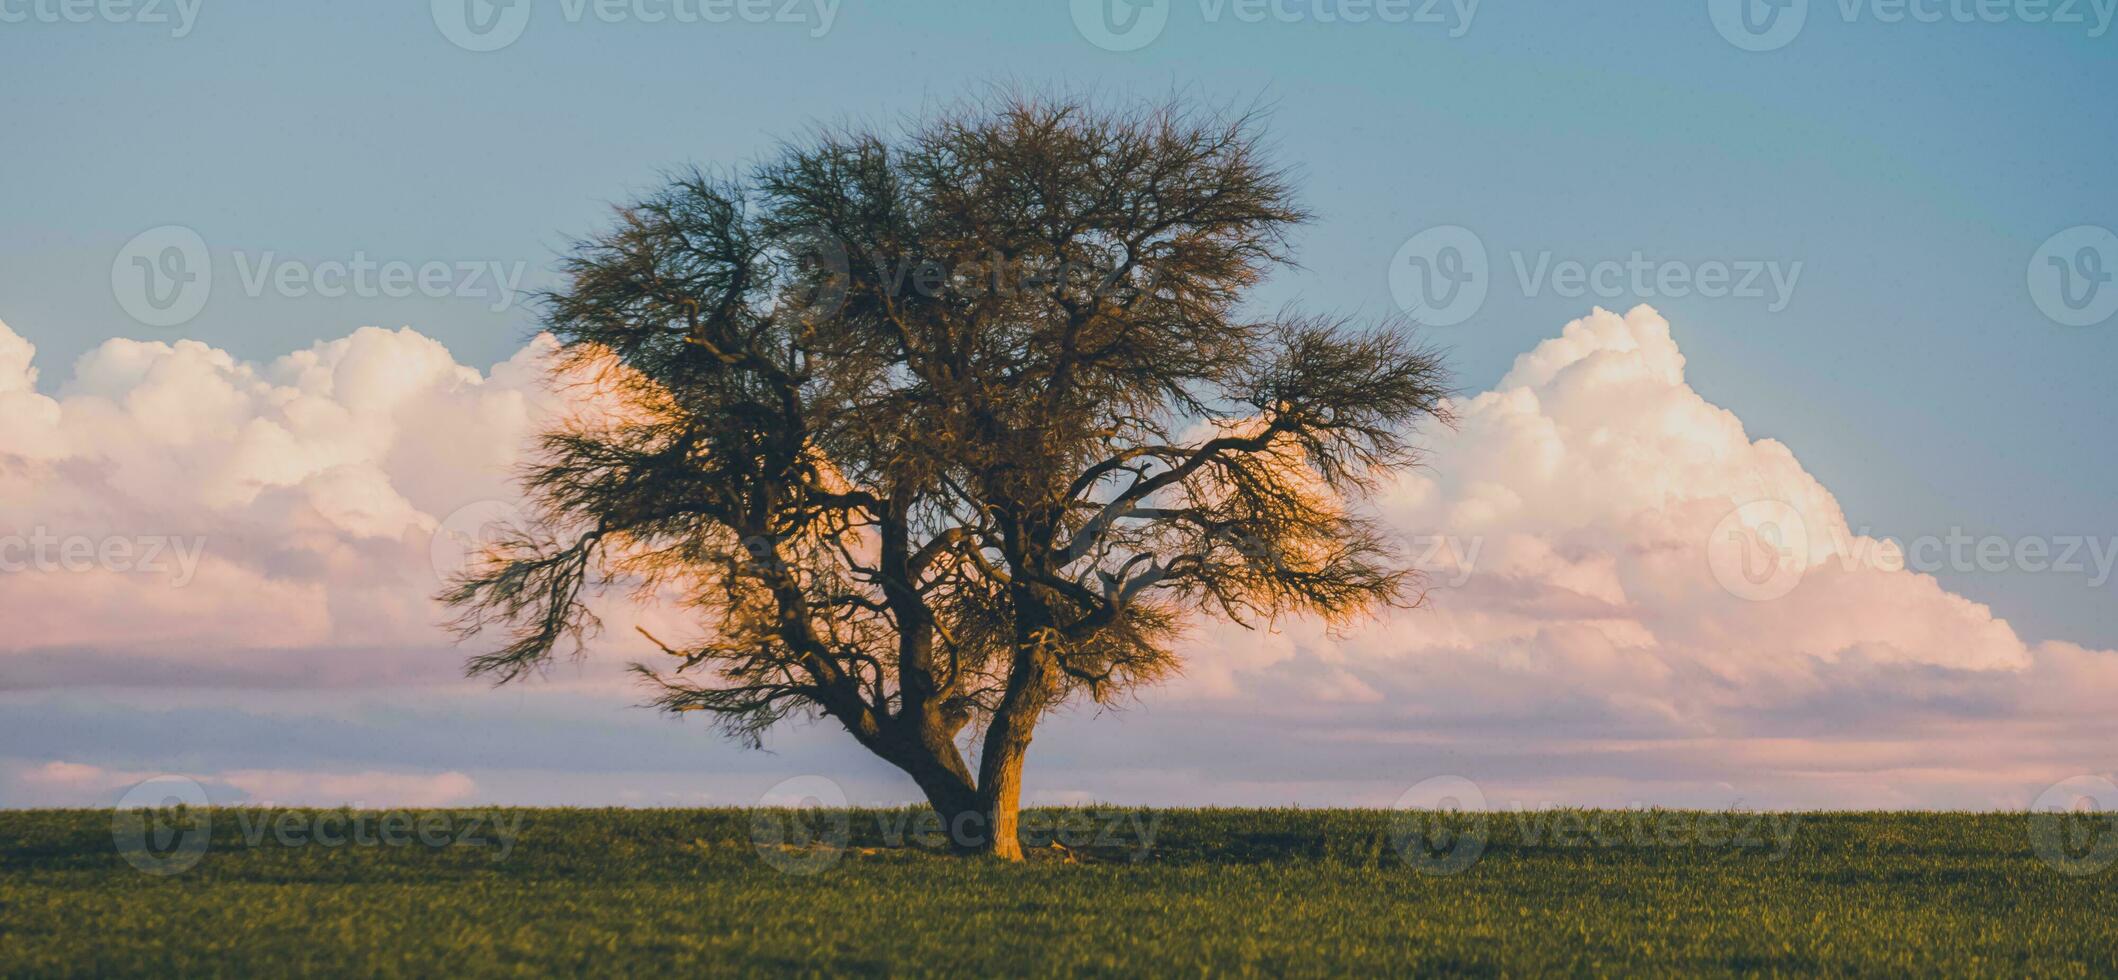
(1594,486)
(1575,504)
(70,775)
(1578,637)
(1598,479)
(313,484)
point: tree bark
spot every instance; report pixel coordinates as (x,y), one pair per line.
(1007,740)
(1000,795)
(978,819)
(928,754)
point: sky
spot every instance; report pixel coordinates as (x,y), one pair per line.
(262,275)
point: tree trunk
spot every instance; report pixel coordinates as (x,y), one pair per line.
(1000,781)
(971,830)
(988,825)
(1000,794)
(983,821)
(933,762)
(1007,736)
(951,801)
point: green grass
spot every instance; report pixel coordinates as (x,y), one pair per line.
(1246,891)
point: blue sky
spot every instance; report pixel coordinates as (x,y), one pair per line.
(1911,170)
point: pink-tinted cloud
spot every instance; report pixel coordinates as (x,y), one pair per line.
(1629,593)
(81,784)
(173,509)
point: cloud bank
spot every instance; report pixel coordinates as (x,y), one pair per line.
(1631,599)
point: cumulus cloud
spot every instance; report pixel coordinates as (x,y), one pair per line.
(173,514)
(1600,487)
(1628,590)
(1616,563)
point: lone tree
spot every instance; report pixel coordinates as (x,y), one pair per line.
(939,428)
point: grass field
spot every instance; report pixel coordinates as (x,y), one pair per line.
(1164,892)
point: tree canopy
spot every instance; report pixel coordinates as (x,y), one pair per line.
(937,427)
